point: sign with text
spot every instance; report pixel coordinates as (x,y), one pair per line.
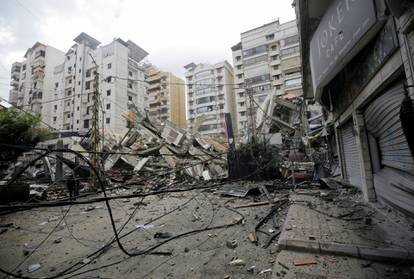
(340,30)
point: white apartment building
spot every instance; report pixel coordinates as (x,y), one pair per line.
(210,94)
(121,84)
(32,79)
(268,58)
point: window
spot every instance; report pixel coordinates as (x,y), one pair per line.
(258,79)
(80,71)
(238,58)
(108,106)
(273,47)
(130,73)
(109,66)
(130,85)
(55,107)
(88,85)
(270,37)
(290,51)
(255,60)
(54,119)
(108,120)
(70,81)
(255,50)
(291,40)
(69,69)
(275,57)
(86,123)
(108,92)
(77,108)
(88,73)
(129,98)
(56,85)
(278,87)
(24,67)
(77,121)
(78,82)
(293,82)
(39,53)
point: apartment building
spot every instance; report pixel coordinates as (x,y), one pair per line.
(268,58)
(165,98)
(32,79)
(210,94)
(121,84)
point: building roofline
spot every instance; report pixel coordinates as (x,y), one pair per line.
(85,37)
(237,46)
(267,24)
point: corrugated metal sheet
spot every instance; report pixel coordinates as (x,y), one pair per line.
(351,155)
(394,181)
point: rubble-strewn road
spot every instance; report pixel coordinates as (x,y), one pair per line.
(203,255)
(312,216)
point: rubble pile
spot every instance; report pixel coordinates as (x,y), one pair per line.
(166,150)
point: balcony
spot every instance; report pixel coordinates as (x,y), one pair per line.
(14,82)
(15,75)
(38,64)
(275,62)
(290,64)
(153,78)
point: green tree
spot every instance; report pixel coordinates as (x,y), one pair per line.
(18,128)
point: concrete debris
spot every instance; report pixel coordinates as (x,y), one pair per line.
(237,262)
(58,240)
(33,267)
(251,269)
(167,149)
(269,270)
(231,244)
(162,235)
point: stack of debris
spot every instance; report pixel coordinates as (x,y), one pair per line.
(166,149)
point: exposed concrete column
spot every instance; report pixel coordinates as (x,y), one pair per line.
(361,137)
(339,149)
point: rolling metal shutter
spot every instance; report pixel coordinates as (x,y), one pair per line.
(394,179)
(350,155)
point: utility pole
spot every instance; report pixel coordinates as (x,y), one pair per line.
(95,123)
(252,110)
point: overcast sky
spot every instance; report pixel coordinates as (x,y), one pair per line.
(174,32)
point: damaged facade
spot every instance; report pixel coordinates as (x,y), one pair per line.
(362,75)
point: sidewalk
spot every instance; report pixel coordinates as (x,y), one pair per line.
(339,236)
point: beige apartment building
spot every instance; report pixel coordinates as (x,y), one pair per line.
(165,97)
(268,58)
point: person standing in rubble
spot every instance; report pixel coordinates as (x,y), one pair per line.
(72,184)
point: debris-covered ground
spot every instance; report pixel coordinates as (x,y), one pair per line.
(66,236)
(222,230)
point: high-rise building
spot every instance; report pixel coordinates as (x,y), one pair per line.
(165,98)
(210,94)
(59,86)
(121,84)
(32,79)
(267,58)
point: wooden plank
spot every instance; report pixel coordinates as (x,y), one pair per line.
(304,262)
